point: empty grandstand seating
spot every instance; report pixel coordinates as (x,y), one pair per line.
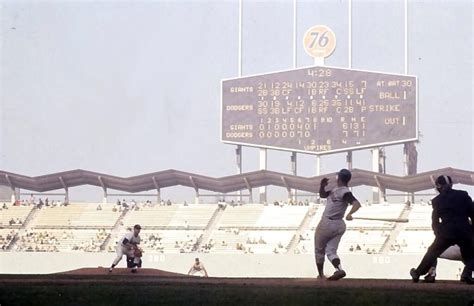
(74,215)
(10,213)
(420,217)
(241,216)
(263,217)
(173,216)
(253,241)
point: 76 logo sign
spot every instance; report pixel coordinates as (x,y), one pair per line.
(319,41)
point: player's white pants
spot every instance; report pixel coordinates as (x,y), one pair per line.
(121,250)
(452,253)
(197,272)
(327,237)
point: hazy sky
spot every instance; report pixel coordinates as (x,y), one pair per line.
(130,87)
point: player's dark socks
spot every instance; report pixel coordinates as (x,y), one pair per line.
(336,262)
(414,275)
(320,267)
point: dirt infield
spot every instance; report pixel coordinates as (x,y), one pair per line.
(95,286)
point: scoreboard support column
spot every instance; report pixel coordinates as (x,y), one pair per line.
(318,173)
(158,190)
(263,166)
(349,160)
(104,199)
(376,195)
(294,170)
(238,157)
(104,188)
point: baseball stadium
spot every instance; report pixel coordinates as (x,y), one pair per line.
(236,152)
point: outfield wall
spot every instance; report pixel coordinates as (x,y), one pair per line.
(394,266)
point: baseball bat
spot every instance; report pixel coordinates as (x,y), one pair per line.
(401,220)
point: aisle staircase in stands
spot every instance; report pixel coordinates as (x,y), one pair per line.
(304,226)
(31,216)
(211,225)
(396,230)
(116,229)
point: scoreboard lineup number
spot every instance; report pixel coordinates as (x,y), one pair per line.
(319,41)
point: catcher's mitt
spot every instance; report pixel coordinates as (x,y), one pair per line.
(137,252)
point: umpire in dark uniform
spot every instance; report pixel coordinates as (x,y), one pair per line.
(453,223)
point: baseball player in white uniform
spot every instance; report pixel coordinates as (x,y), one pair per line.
(198,267)
(125,245)
(331,227)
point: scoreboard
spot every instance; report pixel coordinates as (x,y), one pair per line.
(319,110)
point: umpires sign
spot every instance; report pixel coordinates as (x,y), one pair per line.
(319,110)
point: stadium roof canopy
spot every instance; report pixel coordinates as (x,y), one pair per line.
(169,178)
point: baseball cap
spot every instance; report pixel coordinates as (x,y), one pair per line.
(344,175)
(137,226)
(444,180)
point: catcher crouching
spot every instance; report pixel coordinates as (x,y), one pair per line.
(134,258)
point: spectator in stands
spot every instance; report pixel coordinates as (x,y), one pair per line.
(168,203)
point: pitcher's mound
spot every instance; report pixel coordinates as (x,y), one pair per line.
(121,271)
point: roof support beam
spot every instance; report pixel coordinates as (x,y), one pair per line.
(433,180)
(287,187)
(249,188)
(104,188)
(158,190)
(66,197)
(193,183)
(7,177)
